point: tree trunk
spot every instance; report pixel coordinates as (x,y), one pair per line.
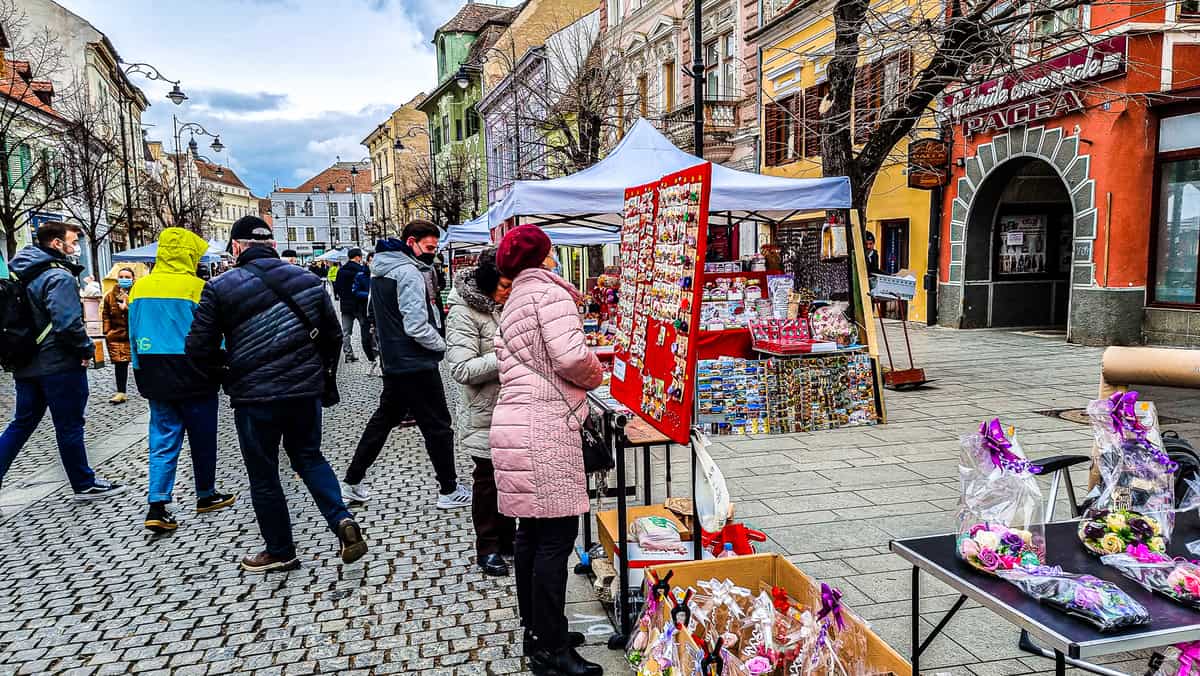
(94,247)
(10,238)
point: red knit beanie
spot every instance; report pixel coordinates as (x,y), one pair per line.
(524,247)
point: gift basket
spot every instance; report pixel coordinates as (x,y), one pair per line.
(1176,579)
(1101,603)
(999,516)
(830,323)
(1137,478)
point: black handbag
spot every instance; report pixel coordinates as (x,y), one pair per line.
(329,395)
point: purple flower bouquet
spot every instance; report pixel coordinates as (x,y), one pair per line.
(1089,598)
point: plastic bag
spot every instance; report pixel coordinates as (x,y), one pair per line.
(1136,474)
(1089,598)
(657,534)
(1000,505)
(1177,579)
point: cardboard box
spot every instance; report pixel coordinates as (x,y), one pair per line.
(606,525)
(773,570)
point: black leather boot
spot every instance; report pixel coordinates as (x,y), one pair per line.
(566,662)
(529,644)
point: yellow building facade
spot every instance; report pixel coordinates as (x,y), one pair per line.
(794,47)
(399,152)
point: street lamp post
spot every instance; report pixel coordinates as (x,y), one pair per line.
(175,96)
(194,128)
(398,146)
(353,196)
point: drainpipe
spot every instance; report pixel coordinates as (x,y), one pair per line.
(934,257)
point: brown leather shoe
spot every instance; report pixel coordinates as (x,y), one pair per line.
(263,562)
(353,544)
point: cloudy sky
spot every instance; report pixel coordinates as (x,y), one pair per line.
(289,84)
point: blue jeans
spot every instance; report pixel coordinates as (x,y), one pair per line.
(168,421)
(66,395)
(297,423)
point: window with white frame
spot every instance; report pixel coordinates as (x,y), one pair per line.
(333,210)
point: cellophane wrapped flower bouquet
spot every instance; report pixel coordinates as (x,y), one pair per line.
(1136,500)
(1089,598)
(999,516)
(1177,579)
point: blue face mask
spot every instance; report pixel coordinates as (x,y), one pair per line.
(125,283)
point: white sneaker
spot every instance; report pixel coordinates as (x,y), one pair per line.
(461,497)
(359,492)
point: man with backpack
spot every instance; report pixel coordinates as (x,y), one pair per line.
(44,344)
(267,330)
(352,308)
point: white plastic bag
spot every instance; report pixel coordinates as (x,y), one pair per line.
(712,495)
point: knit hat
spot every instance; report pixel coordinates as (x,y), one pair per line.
(524,247)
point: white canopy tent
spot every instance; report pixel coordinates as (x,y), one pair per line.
(149,252)
(595,197)
(477,231)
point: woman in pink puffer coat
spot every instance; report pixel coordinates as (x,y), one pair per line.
(546,370)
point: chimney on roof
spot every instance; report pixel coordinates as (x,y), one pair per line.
(44,91)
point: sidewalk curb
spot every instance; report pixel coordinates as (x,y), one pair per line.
(50,479)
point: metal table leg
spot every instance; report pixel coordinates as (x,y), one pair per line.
(1060,664)
(697,538)
(919,646)
(668,452)
(646,492)
(619,640)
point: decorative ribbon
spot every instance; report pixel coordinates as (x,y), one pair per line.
(763,616)
(1189,658)
(1142,554)
(831,604)
(779,597)
(1000,449)
(1123,415)
(723,592)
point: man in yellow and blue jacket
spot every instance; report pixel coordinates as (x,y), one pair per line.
(182,397)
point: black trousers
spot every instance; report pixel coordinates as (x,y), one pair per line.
(419,395)
(494,532)
(121,370)
(543,547)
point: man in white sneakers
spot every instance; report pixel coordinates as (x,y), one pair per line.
(409,330)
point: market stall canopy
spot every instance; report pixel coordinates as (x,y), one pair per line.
(596,195)
(333,255)
(476,231)
(147,254)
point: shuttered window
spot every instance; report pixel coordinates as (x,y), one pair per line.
(879,88)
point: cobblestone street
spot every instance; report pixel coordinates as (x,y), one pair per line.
(86,589)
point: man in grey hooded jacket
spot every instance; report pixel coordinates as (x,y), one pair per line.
(410,340)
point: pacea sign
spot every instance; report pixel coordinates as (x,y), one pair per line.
(1042,91)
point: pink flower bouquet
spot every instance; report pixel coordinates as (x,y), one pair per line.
(993,547)
(1177,579)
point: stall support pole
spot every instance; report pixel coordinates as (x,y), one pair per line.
(915,621)
(646,493)
(622,545)
(697,531)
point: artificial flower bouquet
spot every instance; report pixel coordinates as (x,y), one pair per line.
(1136,474)
(1101,603)
(999,517)
(1112,532)
(1177,579)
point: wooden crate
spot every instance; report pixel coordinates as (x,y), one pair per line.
(775,571)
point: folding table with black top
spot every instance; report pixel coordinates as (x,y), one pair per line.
(1066,640)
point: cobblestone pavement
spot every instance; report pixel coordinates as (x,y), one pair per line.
(86,590)
(101,417)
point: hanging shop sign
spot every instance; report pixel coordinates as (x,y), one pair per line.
(1045,90)
(663,246)
(928,163)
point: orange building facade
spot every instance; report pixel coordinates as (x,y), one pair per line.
(1074,197)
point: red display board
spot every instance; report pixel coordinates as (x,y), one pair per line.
(658,316)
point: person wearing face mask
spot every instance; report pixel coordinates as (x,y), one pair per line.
(114,312)
(408,325)
(55,377)
(267,330)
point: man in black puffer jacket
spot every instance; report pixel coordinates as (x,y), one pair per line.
(274,369)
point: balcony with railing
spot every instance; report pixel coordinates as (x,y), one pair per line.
(720,122)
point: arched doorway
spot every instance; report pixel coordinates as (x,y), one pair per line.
(1018,248)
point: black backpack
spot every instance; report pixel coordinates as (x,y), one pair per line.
(19,336)
(1179,450)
